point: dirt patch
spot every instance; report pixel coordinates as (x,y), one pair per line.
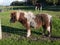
(32,38)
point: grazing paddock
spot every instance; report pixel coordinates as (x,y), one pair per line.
(14,34)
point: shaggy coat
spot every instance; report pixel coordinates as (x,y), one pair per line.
(28,19)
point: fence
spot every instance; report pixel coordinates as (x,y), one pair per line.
(6,8)
(17,7)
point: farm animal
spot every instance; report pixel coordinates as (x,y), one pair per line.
(28,19)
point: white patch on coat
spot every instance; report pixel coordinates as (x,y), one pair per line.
(33,23)
(28,33)
(48,28)
(49,17)
(17,15)
(29,15)
(31,18)
(36,8)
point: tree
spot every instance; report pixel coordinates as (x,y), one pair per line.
(58,2)
(33,2)
(17,3)
(54,2)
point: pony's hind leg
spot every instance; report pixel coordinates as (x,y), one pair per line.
(48,28)
(49,31)
(44,30)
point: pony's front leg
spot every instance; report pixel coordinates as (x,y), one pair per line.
(28,29)
(28,33)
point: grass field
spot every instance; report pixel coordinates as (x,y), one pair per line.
(14,34)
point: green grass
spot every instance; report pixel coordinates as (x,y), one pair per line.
(14,34)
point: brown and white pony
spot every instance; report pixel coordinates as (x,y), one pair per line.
(28,19)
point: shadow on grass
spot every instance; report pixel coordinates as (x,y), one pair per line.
(21,32)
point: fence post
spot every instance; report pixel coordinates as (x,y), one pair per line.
(0,30)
